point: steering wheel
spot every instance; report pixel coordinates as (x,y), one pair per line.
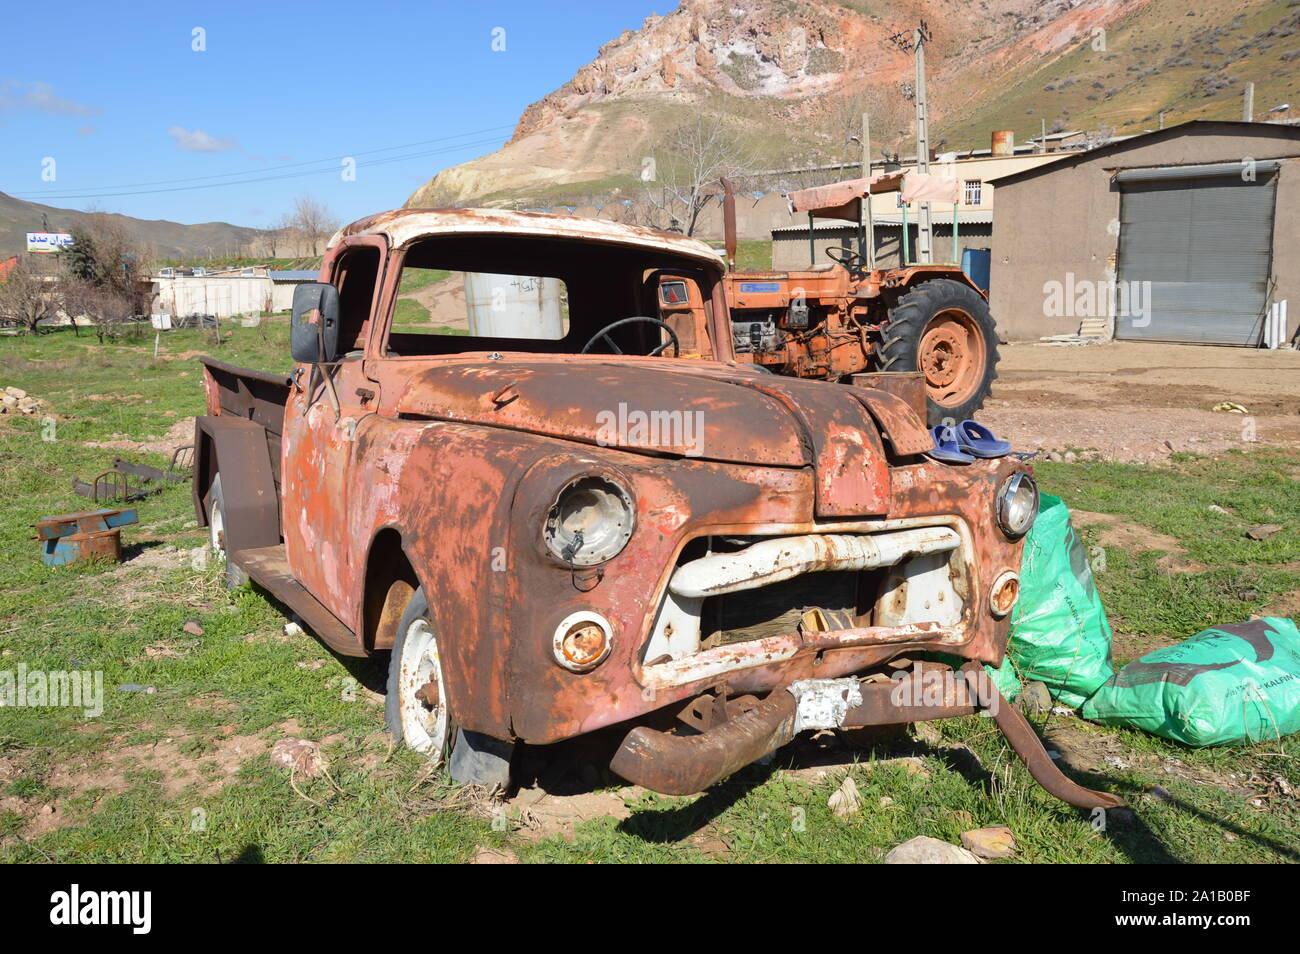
(849,258)
(604,333)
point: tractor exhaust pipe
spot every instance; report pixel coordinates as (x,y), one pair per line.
(729,220)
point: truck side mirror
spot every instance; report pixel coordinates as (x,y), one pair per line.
(314,331)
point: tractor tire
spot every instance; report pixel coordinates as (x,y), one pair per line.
(943,329)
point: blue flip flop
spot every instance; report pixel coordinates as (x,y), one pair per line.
(945,446)
(977,440)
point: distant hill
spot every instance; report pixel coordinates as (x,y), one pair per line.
(792,77)
(166,239)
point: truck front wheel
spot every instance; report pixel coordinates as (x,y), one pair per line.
(417,709)
(235,577)
(943,329)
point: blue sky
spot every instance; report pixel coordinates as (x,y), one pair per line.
(117,97)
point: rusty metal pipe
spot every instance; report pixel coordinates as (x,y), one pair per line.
(683,765)
(729,221)
(1029,748)
(879,708)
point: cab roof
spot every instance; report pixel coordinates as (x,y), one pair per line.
(403,226)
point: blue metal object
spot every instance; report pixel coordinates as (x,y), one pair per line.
(69,537)
(975,262)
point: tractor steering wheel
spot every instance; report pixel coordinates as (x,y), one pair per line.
(848,258)
(604,333)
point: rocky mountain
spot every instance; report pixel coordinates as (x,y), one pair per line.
(791,78)
(168,240)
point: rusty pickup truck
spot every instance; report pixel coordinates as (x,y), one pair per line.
(517,460)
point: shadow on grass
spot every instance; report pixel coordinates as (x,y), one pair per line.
(370,671)
(251,855)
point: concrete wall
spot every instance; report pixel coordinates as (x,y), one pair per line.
(221,296)
(282,295)
(1066,219)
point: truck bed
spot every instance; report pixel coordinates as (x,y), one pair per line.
(256,396)
(246,411)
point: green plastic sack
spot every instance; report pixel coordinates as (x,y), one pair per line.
(1226,685)
(1005,679)
(1059,634)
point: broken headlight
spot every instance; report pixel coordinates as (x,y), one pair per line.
(590,521)
(1017,505)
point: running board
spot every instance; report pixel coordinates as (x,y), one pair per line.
(268,567)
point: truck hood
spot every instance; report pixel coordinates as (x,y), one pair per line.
(711,412)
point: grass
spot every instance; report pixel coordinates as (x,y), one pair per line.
(154,778)
(751,254)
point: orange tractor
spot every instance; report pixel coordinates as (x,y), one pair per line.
(842,318)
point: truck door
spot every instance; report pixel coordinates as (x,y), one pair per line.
(681,306)
(319,436)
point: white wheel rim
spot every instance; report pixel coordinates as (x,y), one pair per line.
(424,728)
(216,527)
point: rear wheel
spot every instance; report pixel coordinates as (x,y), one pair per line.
(217,534)
(417,712)
(943,329)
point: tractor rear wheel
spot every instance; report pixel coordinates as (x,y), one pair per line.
(943,329)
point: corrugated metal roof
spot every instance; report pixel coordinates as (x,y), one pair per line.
(294,275)
(938,216)
(1122,143)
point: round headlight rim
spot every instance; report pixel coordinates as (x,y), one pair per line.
(619,486)
(562,630)
(1005,492)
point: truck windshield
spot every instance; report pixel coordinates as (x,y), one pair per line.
(437,301)
(535,294)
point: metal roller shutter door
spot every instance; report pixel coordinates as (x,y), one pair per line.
(1203,238)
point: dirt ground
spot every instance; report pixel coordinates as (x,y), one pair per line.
(1132,401)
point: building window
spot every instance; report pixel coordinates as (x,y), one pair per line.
(974,191)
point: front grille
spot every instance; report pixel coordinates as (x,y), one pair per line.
(779,609)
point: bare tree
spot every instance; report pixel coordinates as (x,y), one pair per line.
(313,220)
(655,209)
(693,157)
(103,271)
(28,298)
(108,308)
(106,251)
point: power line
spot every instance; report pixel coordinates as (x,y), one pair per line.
(252,176)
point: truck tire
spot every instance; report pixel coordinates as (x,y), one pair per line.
(235,577)
(428,726)
(943,329)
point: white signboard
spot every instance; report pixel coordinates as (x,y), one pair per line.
(162,322)
(47,241)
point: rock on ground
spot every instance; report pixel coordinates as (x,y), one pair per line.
(924,850)
(993,842)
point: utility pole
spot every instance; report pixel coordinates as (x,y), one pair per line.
(914,42)
(866,220)
(1248,104)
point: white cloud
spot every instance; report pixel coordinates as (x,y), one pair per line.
(39,96)
(199,141)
